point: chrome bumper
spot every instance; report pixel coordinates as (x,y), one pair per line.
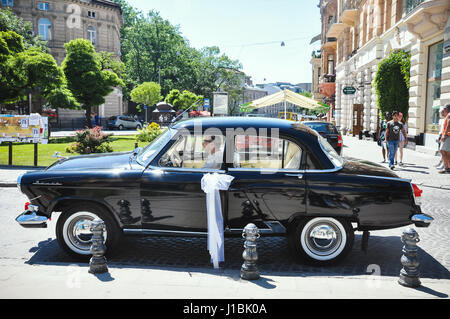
(422,220)
(32,218)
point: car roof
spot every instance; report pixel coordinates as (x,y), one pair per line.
(242,122)
(321,122)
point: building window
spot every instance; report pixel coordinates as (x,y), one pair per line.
(9,3)
(91,14)
(434,73)
(44,27)
(330,64)
(92,35)
(44,6)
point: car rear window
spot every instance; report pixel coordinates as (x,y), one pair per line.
(323,127)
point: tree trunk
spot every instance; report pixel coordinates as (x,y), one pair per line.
(88,116)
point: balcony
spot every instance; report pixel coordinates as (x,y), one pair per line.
(425,18)
(330,44)
(411,5)
(335,29)
(327,89)
(350,12)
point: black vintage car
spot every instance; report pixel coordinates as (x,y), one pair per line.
(328,131)
(288,181)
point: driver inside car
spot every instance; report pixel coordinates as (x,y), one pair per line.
(211,146)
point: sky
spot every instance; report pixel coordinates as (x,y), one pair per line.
(250,31)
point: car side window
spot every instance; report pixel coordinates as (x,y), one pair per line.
(195,152)
(266,152)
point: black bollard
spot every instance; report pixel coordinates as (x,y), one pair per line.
(97,264)
(249,271)
(409,275)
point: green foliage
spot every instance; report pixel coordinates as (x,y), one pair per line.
(149,132)
(147,93)
(182,101)
(89,83)
(11,22)
(392,83)
(90,141)
(307,94)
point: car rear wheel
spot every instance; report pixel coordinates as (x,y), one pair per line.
(321,240)
(121,127)
(73,229)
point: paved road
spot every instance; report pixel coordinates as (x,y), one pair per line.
(38,246)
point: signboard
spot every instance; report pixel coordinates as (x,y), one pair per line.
(220,103)
(24,128)
(348,90)
(206,103)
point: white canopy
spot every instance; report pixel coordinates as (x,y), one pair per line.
(285,96)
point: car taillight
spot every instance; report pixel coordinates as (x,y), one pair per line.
(417,193)
(27,205)
(340,142)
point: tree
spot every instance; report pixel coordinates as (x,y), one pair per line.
(182,101)
(85,77)
(11,22)
(147,93)
(392,83)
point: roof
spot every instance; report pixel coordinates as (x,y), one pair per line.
(288,96)
(222,123)
(108,3)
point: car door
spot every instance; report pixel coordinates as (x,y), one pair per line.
(171,196)
(269,186)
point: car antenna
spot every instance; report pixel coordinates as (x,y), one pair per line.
(176,118)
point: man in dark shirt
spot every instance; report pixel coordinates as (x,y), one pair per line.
(393,131)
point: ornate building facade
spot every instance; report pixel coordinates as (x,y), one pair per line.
(358,34)
(60,21)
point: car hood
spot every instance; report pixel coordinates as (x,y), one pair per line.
(94,162)
(356,166)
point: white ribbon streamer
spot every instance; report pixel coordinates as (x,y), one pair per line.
(211,185)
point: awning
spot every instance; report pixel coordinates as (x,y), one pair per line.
(316,38)
(288,96)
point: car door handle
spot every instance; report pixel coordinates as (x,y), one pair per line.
(299,176)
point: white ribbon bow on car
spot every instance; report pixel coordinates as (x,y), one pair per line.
(211,185)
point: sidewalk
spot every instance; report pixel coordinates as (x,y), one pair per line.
(419,167)
(74,281)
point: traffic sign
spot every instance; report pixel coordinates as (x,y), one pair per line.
(349,90)
(206,103)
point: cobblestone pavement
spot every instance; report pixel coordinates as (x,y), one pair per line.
(39,246)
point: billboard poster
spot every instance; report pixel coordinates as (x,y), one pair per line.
(220,103)
(23,128)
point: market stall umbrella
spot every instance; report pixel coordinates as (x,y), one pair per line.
(284,97)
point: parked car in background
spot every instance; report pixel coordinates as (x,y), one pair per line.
(329,131)
(304,190)
(122,122)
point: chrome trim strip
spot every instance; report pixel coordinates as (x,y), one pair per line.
(386,177)
(162,232)
(187,170)
(282,170)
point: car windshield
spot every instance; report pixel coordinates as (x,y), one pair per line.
(148,152)
(330,152)
(323,127)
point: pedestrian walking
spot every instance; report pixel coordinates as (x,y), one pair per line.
(382,136)
(445,140)
(440,165)
(403,139)
(393,130)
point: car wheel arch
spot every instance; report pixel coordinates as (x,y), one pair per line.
(63,203)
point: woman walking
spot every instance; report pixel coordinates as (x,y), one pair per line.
(382,136)
(403,139)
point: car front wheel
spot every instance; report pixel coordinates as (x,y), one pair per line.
(74,234)
(322,240)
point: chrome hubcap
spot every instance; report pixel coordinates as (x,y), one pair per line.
(78,232)
(323,239)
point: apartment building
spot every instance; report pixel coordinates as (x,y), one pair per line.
(358,34)
(60,21)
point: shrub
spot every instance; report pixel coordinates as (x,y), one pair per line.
(90,141)
(149,132)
